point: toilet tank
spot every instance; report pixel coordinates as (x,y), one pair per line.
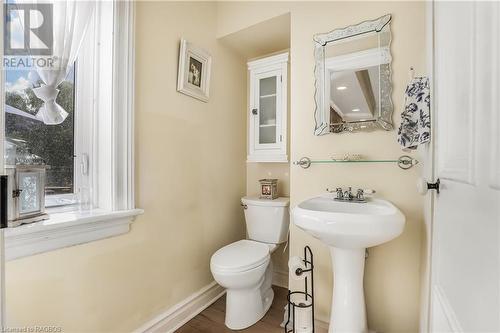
(267,220)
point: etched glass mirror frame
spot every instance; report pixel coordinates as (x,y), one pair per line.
(384,118)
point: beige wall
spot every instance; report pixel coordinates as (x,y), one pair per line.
(392,271)
(190,175)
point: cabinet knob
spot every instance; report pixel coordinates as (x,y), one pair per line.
(254,112)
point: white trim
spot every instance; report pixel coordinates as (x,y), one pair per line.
(85,109)
(113,152)
(280,279)
(66,229)
(428,171)
(443,313)
(176,316)
(123,105)
(268,61)
(104,128)
(267,158)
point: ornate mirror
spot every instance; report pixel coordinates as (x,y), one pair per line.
(353,78)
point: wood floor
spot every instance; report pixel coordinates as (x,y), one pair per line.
(211,320)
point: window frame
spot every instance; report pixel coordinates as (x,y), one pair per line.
(109,142)
(74,195)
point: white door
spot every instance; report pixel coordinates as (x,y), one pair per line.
(465,262)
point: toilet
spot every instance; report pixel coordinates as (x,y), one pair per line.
(244,267)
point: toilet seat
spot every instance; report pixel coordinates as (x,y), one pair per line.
(240,256)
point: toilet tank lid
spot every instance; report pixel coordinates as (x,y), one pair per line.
(256,201)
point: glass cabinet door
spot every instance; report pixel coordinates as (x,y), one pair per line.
(267,116)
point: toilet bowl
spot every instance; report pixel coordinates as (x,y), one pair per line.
(244,267)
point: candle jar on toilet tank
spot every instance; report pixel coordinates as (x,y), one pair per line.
(268,189)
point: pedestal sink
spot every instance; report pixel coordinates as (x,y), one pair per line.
(348,228)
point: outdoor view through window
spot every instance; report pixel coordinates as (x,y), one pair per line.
(53,143)
(29,64)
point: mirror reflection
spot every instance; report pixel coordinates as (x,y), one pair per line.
(356,84)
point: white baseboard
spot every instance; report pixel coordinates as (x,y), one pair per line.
(280,279)
(179,314)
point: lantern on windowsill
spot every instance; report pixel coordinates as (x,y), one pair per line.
(25,186)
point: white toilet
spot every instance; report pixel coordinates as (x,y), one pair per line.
(244,267)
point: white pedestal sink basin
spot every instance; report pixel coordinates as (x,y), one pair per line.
(348,228)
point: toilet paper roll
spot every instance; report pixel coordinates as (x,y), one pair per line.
(303,318)
(294,264)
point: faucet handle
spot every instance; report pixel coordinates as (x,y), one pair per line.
(361,193)
(338,190)
(364,192)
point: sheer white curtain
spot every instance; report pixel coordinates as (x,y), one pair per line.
(71,19)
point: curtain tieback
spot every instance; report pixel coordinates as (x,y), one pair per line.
(50,113)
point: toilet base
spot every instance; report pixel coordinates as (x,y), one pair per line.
(245,307)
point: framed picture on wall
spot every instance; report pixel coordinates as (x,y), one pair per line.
(194,71)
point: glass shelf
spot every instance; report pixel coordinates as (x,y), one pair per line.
(404,162)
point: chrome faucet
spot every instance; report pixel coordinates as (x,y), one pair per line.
(347,195)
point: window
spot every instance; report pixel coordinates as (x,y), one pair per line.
(55,144)
(91,152)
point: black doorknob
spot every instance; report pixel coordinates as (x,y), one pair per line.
(434,186)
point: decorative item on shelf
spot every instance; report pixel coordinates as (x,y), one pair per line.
(300,317)
(25,185)
(268,189)
(194,71)
(347,157)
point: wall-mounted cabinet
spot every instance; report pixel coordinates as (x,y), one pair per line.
(267,132)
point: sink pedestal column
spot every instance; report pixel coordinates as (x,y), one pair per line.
(348,301)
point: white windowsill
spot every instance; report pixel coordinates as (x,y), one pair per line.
(65,229)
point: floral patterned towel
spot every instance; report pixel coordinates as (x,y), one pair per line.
(415,126)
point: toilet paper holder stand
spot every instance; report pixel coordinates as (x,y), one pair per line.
(307,295)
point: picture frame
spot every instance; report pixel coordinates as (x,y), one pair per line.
(195,65)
